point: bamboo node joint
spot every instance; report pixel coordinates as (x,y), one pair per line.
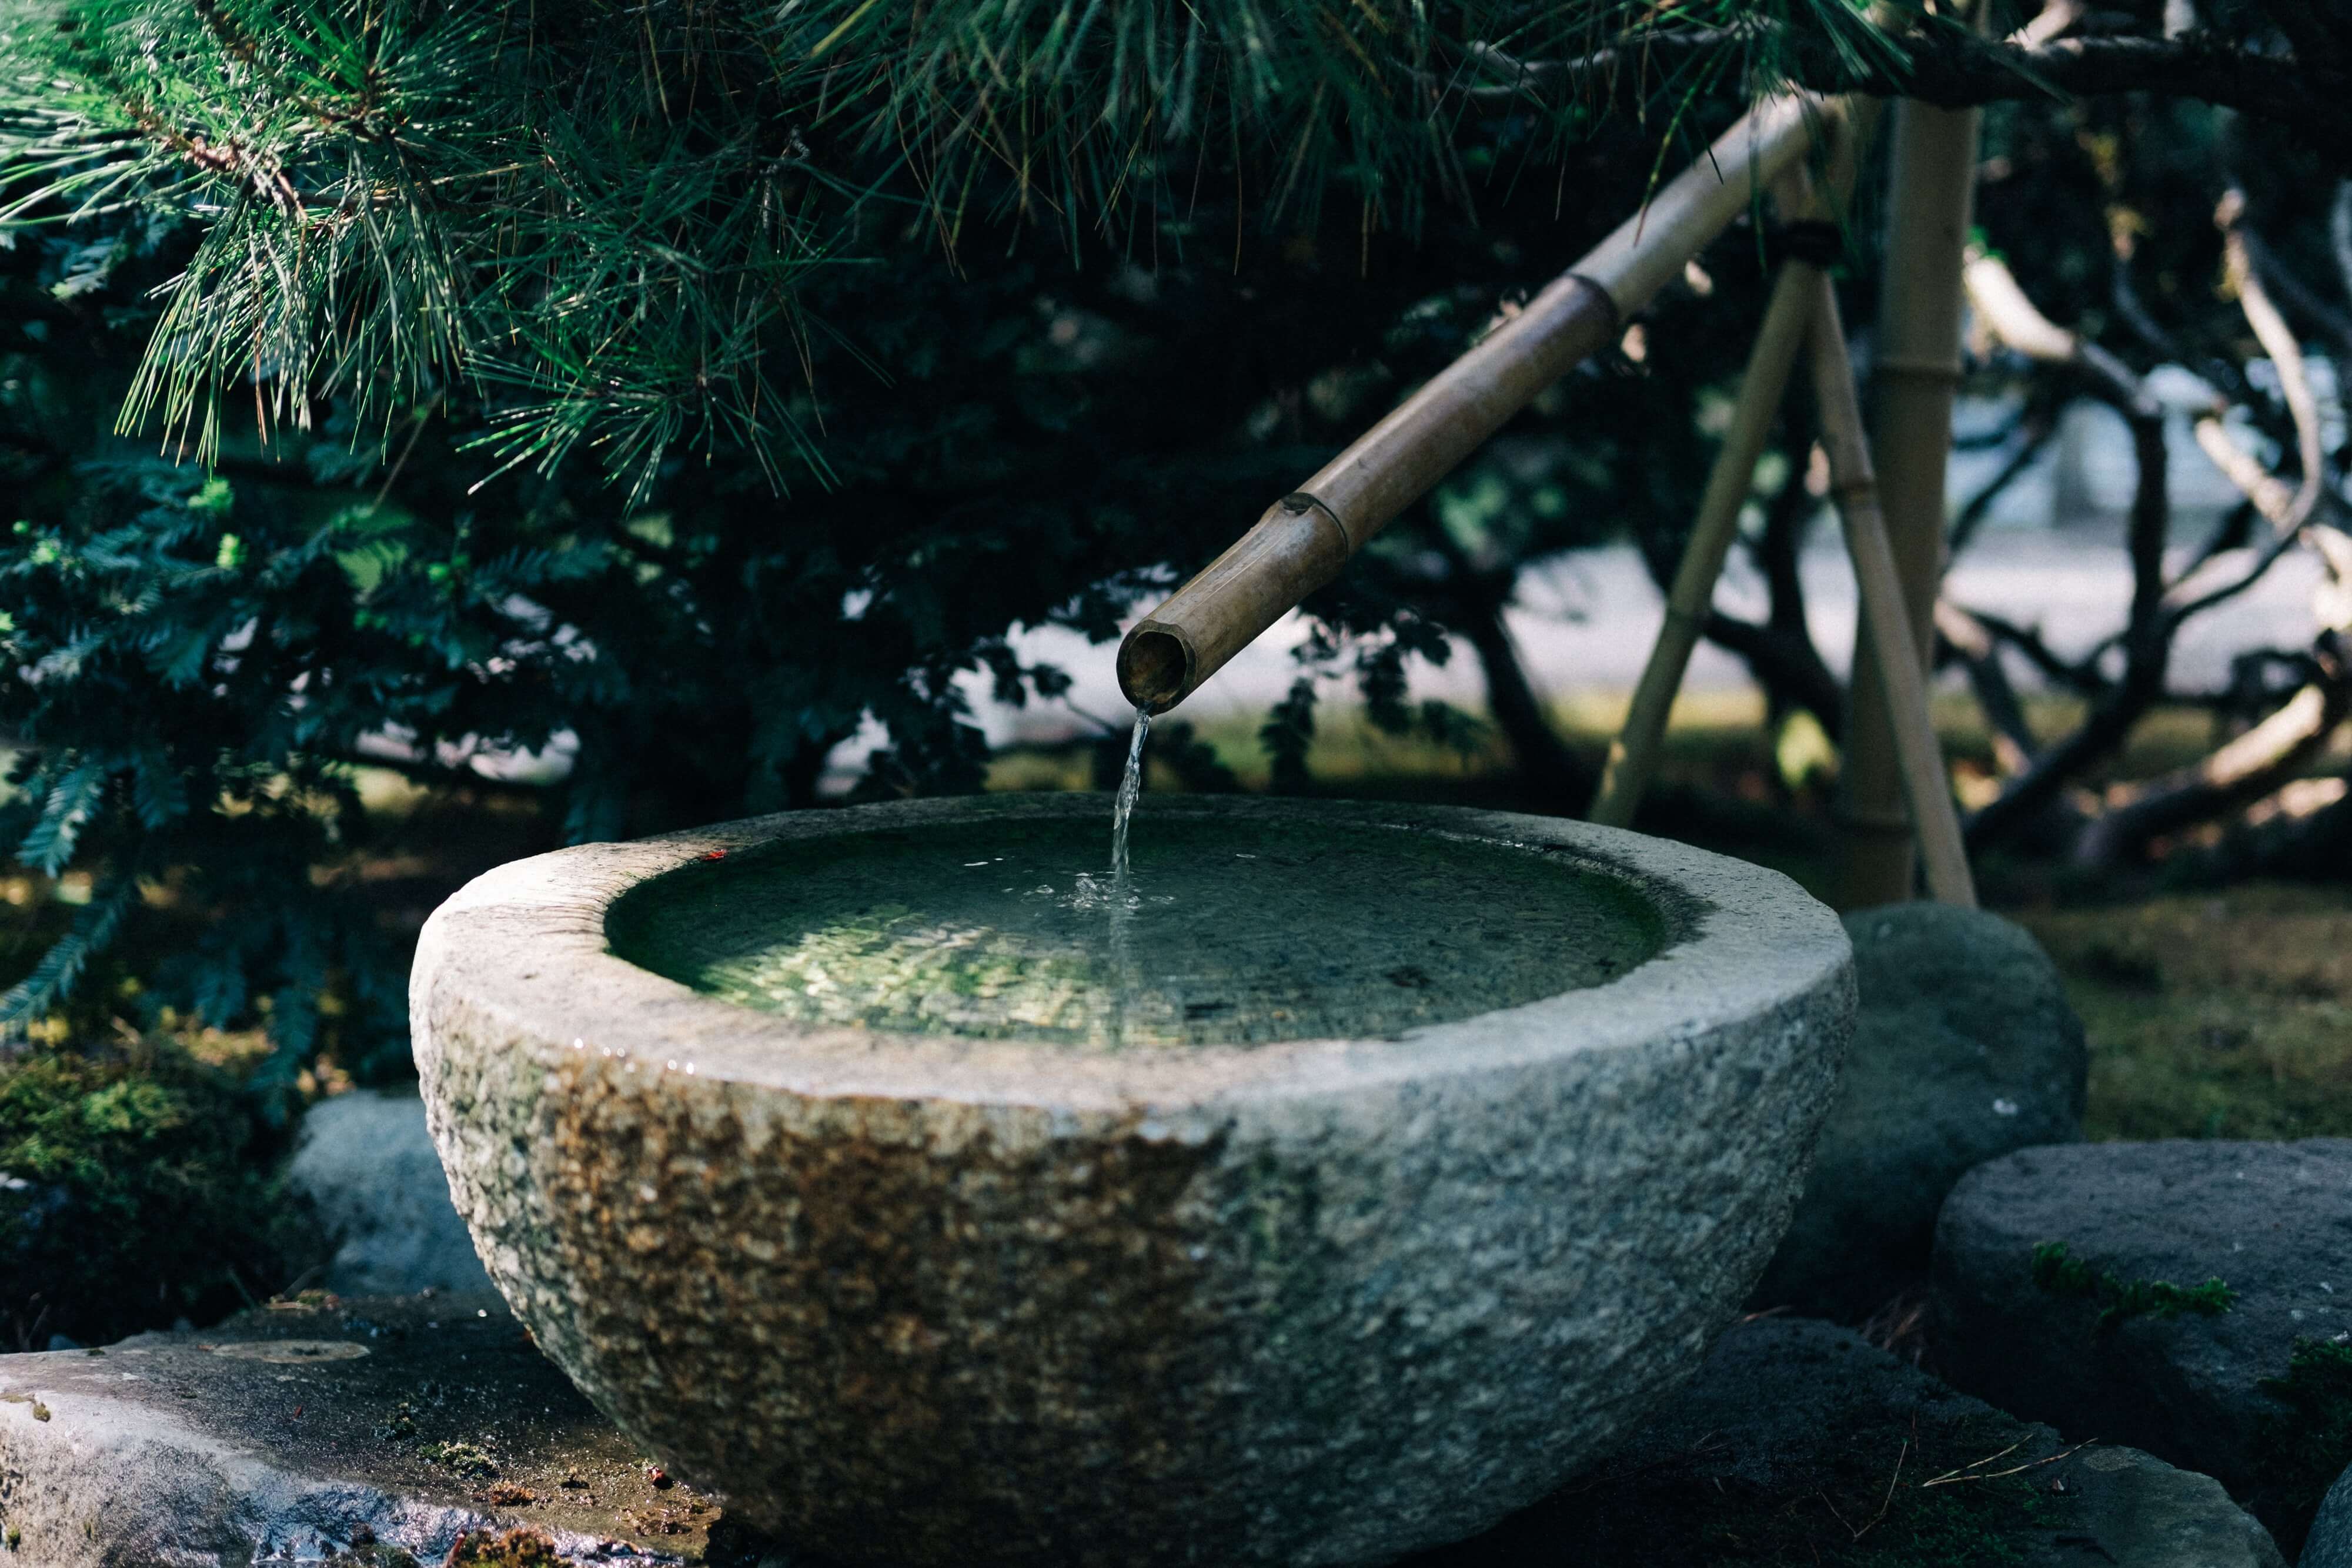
(1616,311)
(1299,501)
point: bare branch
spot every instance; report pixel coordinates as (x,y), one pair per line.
(2017,321)
(1954,70)
(2248,767)
(2078,675)
(2147,638)
(2013,743)
(1972,514)
(2181,609)
(2278,341)
(2297,295)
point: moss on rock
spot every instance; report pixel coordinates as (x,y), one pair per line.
(137,1185)
(2057,1271)
(2300,1451)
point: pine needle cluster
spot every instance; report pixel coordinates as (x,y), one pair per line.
(593,221)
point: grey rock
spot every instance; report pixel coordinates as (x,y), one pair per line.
(304,1433)
(1963,1049)
(366,1164)
(2329,1544)
(2272,1221)
(1797,1433)
(938,1300)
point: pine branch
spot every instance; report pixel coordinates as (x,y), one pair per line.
(93,931)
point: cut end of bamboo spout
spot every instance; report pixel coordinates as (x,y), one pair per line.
(1155,666)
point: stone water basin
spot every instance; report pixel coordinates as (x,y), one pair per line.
(1371,1170)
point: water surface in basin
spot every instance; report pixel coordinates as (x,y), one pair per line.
(1232,931)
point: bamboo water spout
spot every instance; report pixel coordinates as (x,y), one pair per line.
(1304,539)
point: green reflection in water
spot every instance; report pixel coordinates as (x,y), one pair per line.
(1236,932)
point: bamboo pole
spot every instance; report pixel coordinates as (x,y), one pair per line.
(1633,756)
(1902,679)
(1917,367)
(1304,539)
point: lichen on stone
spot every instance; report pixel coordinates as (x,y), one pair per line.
(468,1459)
(520,1548)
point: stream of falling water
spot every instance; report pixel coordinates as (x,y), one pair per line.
(1122,817)
(1128,979)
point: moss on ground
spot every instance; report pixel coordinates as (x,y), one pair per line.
(2220,1015)
(137,1185)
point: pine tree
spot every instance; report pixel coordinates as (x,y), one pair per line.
(681,383)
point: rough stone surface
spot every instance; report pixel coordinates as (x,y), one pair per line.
(367,1164)
(1799,1443)
(2329,1544)
(1963,1049)
(2272,1221)
(930,1301)
(368,1431)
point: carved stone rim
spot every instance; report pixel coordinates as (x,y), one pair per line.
(524,947)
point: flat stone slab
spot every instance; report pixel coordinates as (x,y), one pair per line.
(1799,1443)
(268,1437)
(2121,1338)
(346,1432)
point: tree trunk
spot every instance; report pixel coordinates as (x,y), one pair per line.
(1565,779)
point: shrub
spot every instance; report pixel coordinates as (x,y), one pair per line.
(136,1186)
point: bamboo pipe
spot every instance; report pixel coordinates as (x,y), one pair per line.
(1885,615)
(1303,540)
(1633,756)
(1930,188)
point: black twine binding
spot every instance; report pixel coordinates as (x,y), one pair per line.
(1812,242)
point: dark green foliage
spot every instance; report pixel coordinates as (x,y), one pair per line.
(2060,1273)
(1288,731)
(2300,1452)
(134,1189)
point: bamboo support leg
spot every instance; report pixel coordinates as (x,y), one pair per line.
(1633,757)
(1890,638)
(1931,175)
